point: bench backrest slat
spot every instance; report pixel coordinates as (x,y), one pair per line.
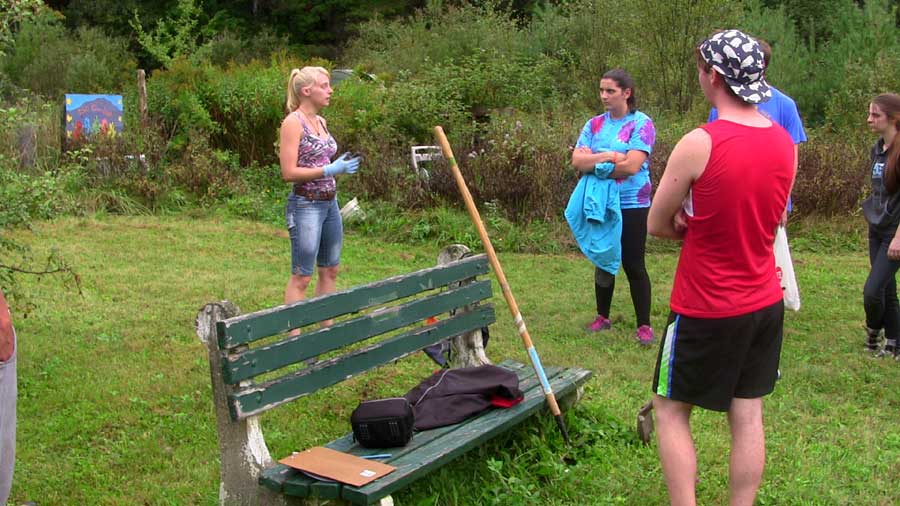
(292,350)
(251,327)
(256,399)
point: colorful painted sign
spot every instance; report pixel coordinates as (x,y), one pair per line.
(93,115)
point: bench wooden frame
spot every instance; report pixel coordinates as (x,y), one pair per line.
(248,474)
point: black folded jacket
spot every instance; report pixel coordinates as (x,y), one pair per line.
(452,395)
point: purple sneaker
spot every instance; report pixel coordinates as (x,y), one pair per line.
(644,335)
(601,323)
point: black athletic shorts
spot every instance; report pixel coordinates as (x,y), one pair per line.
(708,362)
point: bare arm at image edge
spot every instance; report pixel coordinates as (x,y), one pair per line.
(7,343)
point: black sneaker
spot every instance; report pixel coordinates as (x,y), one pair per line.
(873,339)
(889,350)
(885,352)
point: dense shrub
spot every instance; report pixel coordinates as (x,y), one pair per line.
(830,79)
(239,108)
(228,48)
(662,59)
(358,114)
(30,131)
(432,36)
(50,60)
(833,175)
(586,38)
(522,166)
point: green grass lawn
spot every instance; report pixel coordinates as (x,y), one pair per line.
(115,401)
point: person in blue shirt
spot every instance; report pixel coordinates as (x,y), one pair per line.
(782,110)
(624,137)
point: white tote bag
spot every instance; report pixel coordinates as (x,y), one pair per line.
(785,270)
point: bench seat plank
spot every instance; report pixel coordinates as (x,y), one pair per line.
(429,449)
(413,466)
(282,478)
(292,482)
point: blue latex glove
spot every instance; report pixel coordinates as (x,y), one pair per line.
(345,164)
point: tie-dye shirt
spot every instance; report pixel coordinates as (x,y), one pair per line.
(635,131)
(315,151)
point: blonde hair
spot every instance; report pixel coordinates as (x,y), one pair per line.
(301,78)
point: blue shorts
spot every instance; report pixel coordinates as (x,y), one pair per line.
(316,231)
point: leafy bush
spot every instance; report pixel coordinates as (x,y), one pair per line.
(586,38)
(358,114)
(12,14)
(48,59)
(228,48)
(833,174)
(435,35)
(239,108)
(831,79)
(662,60)
(522,166)
(28,197)
(248,103)
(173,37)
(30,132)
(24,198)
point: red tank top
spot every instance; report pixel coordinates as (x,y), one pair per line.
(727,265)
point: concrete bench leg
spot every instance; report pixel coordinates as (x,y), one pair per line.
(242,448)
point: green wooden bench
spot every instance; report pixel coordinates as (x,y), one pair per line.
(395,306)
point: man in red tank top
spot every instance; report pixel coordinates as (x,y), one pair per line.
(723,193)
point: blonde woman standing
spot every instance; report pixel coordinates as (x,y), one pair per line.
(312,214)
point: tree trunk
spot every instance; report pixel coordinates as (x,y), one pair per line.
(27,144)
(142,96)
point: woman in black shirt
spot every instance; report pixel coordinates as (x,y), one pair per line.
(882,211)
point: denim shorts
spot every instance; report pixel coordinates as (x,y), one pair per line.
(316,232)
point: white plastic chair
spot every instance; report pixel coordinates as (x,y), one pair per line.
(424,154)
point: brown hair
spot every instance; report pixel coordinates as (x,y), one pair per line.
(766,51)
(626,82)
(301,78)
(701,63)
(889,103)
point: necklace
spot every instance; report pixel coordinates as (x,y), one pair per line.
(313,123)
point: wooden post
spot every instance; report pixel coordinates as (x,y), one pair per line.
(142,96)
(466,350)
(27,143)
(242,449)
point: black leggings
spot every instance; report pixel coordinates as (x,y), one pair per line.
(634,239)
(880,291)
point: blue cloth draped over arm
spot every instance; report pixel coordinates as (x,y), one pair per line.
(595,217)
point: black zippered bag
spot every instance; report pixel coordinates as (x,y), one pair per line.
(383,423)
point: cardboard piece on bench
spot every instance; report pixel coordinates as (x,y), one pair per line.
(337,466)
